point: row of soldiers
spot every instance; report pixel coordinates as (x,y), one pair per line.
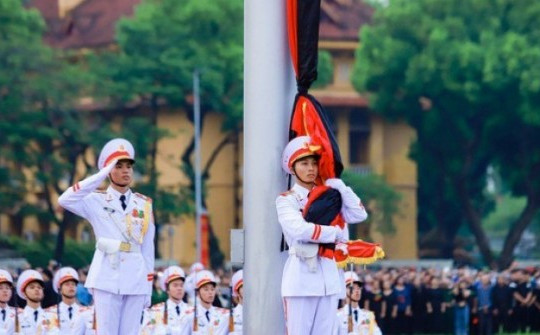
(174,316)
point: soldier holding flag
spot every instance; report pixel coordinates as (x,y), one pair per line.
(312,283)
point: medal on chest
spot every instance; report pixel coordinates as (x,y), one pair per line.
(137,222)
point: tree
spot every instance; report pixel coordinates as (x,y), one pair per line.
(379,198)
(463,74)
(158,50)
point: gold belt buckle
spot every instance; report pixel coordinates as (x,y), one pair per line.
(125,247)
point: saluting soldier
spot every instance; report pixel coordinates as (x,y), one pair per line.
(172,317)
(65,282)
(7,313)
(121,272)
(351,319)
(311,284)
(209,320)
(237,283)
(33,320)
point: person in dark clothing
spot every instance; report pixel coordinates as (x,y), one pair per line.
(418,306)
(461,301)
(390,311)
(435,307)
(523,296)
(402,295)
(483,305)
(374,301)
(503,300)
(535,324)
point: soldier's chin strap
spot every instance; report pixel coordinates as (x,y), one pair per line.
(115,183)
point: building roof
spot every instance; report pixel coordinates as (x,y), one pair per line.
(341,19)
(74,24)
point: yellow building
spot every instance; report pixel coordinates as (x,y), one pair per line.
(368,143)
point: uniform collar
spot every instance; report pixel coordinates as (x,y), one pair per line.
(300,190)
(172,304)
(117,194)
(64,306)
(29,311)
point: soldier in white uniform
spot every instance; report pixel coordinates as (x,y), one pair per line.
(173,317)
(7,313)
(237,283)
(65,282)
(311,284)
(351,319)
(122,269)
(189,285)
(33,320)
(85,323)
(210,320)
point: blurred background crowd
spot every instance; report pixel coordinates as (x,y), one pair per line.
(405,300)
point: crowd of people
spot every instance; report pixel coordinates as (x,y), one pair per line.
(400,301)
(460,301)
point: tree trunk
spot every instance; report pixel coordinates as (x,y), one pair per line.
(475,223)
(516,231)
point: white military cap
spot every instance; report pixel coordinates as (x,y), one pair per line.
(26,278)
(171,273)
(5,277)
(63,275)
(237,281)
(117,148)
(351,277)
(299,147)
(197,266)
(204,277)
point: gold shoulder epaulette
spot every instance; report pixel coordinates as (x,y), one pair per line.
(289,192)
(51,308)
(142,196)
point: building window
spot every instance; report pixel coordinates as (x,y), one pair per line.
(359,131)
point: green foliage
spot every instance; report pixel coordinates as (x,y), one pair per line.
(325,70)
(463,74)
(165,42)
(39,253)
(507,211)
(380,199)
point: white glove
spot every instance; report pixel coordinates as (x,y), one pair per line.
(343,248)
(341,235)
(336,183)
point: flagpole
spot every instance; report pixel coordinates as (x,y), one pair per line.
(198,183)
(269,90)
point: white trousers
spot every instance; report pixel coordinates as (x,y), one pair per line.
(118,314)
(310,315)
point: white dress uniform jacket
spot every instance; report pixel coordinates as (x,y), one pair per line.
(7,320)
(179,319)
(112,270)
(46,323)
(67,324)
(238,320)
(84,323)
(217,322)
(298,280)
(363,322)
